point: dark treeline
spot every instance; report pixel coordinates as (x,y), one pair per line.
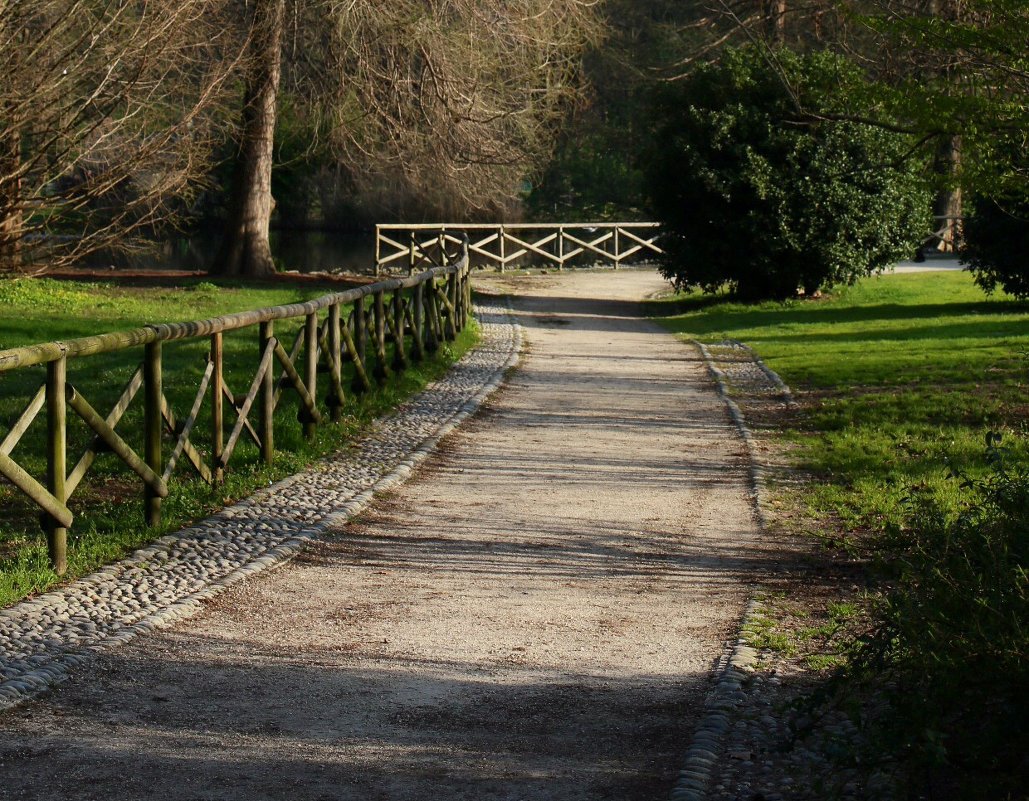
(119,120)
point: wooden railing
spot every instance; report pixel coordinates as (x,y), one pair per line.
(408,316)
(499,245)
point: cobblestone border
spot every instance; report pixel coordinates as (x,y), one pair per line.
(43,639)
(696,774)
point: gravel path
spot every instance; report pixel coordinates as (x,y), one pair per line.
(536,614)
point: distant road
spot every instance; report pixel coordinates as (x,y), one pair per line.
(931,264)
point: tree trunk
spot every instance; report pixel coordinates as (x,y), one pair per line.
(775,21)
(11,214)
(245,249)
(948,200)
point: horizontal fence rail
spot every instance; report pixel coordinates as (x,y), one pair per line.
(375,329)
(498,245)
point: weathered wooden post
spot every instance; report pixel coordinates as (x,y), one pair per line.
(267,419)
(418,321)
(399,356)
(56,462)
(561,247)
(379,310)
(617,251)
(310,371)
(453,326)
(410,254)
(153,425)
(432,328)
(217,409)
(378,249)
(443,260)
(335,364)
(503,249)
(360,328)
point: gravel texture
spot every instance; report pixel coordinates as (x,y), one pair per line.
(43,638)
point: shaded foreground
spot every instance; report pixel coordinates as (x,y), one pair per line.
(534,616)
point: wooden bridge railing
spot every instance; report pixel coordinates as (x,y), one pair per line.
(413,315)
(501,244)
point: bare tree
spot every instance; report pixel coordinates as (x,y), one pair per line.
(107,114)
(453,98)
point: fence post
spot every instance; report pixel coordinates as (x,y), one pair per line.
(335,364)
(379,311)
(561,247)
(310,371)
(153,426)
(378,248)
(56,462)
(399,356)
(432,321)
(267,333)
(503,250)
(418,322)
(217,410)
(410,255)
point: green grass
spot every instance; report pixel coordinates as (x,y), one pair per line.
(901,377)
(108,505)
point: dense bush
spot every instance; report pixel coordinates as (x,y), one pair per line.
(764,200)
(951,631)
(997,241)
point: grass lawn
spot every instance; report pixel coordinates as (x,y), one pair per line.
(901,377)
(108,505)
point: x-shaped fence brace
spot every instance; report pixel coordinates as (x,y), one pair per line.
(500,245)
(413,315)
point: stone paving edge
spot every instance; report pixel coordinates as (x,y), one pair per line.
(33,683)
(709,738)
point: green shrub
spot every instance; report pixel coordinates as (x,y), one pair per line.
(951,630)
(763,200)
(997,243)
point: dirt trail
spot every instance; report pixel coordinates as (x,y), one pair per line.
(535,615)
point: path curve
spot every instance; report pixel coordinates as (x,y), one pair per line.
(536,614)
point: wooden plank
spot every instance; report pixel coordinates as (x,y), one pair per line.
(298,383)
(187,427)
(592,244)
(399,355)
(86,460)
(56,463)
(361,381)
(267,340)
(311,350)
(282,382)
(23,422)
(39,495)
(263,369)
(217,408)
(537,247)
(120,448)
(247,425)
(152,430)
(380,371)
(647,243)
(103,343)
(335,347)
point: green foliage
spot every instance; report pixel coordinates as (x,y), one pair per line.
(951,630)
(997,241)
(764,200)
(108,504)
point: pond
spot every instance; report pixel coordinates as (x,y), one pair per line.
(305,251)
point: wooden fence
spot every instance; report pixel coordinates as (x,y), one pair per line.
(408,316)
(499,245)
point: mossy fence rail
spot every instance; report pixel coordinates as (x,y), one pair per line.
(374,329)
